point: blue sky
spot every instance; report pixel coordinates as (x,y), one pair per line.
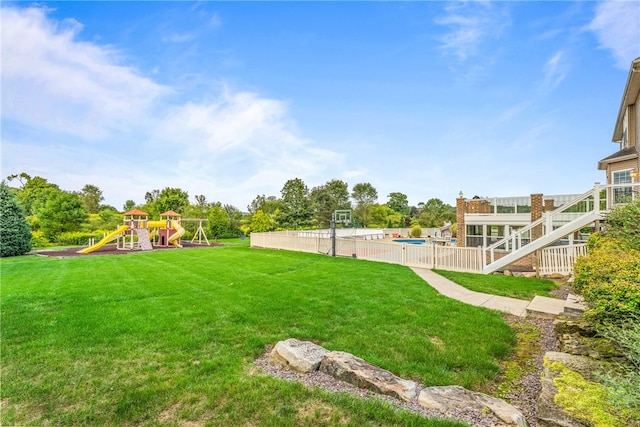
(232,99)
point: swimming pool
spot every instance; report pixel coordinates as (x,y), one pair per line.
(412,241)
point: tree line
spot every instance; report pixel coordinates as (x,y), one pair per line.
(64,217)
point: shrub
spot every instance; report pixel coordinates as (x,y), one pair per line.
(74,238)
(38,240)
(454,230)
(623,223)
(608,280)
(416,231)
(15,234)
(609,275)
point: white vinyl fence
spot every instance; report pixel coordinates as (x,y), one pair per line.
(559,259)
(425,256)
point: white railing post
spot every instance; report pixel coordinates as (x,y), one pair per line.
(486,251)
(596,198)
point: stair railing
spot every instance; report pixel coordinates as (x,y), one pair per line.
(515,240)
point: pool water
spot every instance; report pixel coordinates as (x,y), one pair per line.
(412,241)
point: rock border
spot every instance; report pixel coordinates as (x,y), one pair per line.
(369,381)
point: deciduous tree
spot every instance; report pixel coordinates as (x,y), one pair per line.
(34,192)
(235,219)
(328,198)
(129,205)
(399,203)
(218,222)
(91,196)
(296,205)
(364,195)
(171,199)
(262,222)
(435,213)
(61,213)
(268,205)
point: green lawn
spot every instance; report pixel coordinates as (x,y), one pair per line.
(168,337)
(508,286)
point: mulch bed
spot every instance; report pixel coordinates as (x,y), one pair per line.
(112,250)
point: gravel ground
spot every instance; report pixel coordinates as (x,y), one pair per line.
(562,292)
(523,395)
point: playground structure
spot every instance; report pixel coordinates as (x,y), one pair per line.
(199,235)
(164,232)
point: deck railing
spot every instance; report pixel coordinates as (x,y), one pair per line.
(559,259)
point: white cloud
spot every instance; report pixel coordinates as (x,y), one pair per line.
(243,141)
(555,70)
(178,37)
(617,27)
(70,99)
(471,24)
(53,81)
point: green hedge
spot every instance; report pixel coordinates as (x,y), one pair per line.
(81,238)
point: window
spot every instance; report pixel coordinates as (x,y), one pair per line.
(621,193)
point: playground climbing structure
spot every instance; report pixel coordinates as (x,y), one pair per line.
(134,234)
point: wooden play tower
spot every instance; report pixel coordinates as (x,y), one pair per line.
(161,238)
(137,223)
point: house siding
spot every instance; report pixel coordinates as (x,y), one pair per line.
(620,166)
(636,124)
(627,129)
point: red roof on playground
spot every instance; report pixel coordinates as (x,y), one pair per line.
(170,213)
(136,212)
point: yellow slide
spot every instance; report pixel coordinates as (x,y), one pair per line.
(174,224)
(109,237)
(176,236)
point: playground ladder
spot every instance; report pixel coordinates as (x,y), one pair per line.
(143,239)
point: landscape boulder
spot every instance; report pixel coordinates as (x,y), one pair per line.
(356,371)
(301,356)
(448,398)
(579,338)
(549,413)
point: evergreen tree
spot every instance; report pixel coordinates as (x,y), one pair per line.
(15,234)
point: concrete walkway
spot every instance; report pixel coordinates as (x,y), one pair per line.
(539,306)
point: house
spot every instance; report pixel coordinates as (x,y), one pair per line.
(513,230)
(623,166)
